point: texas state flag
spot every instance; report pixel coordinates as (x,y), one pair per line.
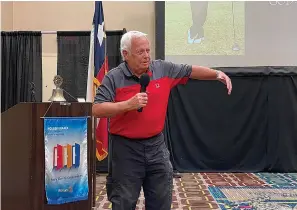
(98,67)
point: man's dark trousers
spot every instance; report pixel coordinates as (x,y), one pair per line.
(136,163)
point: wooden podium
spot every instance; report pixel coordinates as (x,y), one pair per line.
(23,156)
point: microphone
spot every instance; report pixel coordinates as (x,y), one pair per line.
(144,81)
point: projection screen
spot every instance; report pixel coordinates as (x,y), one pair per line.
(228,34)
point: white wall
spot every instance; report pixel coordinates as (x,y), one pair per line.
(75,16)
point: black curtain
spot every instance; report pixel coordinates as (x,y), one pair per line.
(21,74)
(73,61)
(282,126)
(113,39)
(254,129)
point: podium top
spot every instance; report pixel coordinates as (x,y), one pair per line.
(48,109)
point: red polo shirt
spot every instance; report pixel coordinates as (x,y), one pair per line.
(119,84)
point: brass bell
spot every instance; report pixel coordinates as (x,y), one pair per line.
(57,94)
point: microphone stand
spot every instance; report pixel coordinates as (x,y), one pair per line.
(32,90)
(235,45)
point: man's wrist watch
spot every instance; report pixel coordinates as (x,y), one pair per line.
(217,72)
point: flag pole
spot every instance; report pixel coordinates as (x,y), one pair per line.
(90,98)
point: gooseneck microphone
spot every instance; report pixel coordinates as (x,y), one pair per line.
(144,80)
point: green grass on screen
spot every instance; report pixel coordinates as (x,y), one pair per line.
(218,29)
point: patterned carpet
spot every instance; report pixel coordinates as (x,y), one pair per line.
(236,191)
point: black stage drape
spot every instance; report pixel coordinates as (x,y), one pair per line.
(21,63)
(73,61)
(113,43)
(282,126)
(253,129)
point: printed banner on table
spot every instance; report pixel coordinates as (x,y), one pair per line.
(66,166)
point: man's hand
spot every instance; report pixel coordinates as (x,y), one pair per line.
(138,101)
(222,77)
(111,109)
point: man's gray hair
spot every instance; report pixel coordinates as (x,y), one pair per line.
(126,40)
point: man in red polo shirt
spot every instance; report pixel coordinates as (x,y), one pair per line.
(140,157)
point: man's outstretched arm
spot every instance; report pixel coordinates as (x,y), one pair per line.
(205,73)
(181,71)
